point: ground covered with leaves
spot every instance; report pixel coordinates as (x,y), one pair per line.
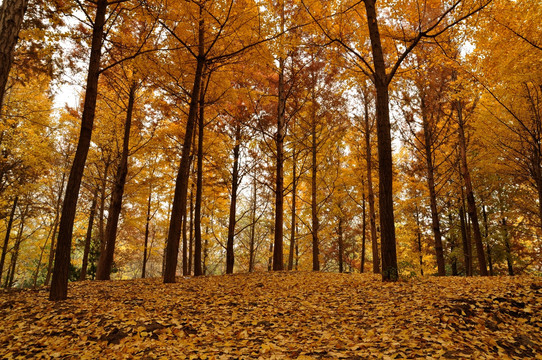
(278,315)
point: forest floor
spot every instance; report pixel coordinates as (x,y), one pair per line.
(297,315)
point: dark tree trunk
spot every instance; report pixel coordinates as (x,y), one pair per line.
(294,209)
(251,247)
(270,263)
(371,195)
(419,240)
(8,233)
(103,196)
(453,245)
(55,228)
(363,232)
(278,262)
(191,233)
(314,191)
(428,147)
(105,263)
(385,170)
(15,254)
(507,248)
(233,204)
(467,255)
(486,237)
(341,245)
(146,244)
(59,284)
(181,183)
(11,19)
(471,204)
(88,237)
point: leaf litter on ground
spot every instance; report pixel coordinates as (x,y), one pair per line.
(278,315)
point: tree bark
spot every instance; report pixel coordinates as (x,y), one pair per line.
(15,255)
(471,204)
(507,248)
(230,260)
(467,255)
(390,271)
(314,192)
(371,195)
(419,240)
(251,247)
(486,237)
(59,285)
(428,147)
(8,233)
(88,237)
(55,228)
(199,186)
(191,233)
(341,244)
(11,19)
(294,210)
(181,183)
(363,231)
(105,263)
(146,243)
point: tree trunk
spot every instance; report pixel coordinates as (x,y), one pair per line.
(314,191)
(59,285)
(467,255)
(233,204)
(251,247)
(105,263)
(88,237)
(181,183)
(452,245)
(486,237)
(385,170)
(363,231)
(419,240)
(199,186)
(11,19)
(146,243)
(428,147)
(507,248)
(15,255)
(55,228)
(191,233)
(471,204)
(294,208)
(371,195)
(103,194)
(8,233)
(341,245)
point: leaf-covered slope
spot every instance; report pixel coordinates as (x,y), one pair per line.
(279,315)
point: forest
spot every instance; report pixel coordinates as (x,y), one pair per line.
(154,138)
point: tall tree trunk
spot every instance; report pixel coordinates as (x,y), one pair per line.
(15,254)
(363,230)
(105,263)
(341,244)
(371,195)
(419,240)
(191,233)
(294,210)
(233,204)
(88,237)
(11,19)
(59,284)
(181,183)
(428,147)
(278,262)
(55,228)
(251,247)
(146,243)
(383,127)
(486,237)
(467,256)
(199,185)
(471,204)
(314,192)
(507,248)
(103,195)
(452,244)
(8,233)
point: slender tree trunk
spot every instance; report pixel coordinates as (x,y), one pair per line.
(341,245)
(507,248)
(181,184)
(251,248)
(471,204)
(191,233)
(59,284)
(146,244)
(428,145)
(55,228)
(363,231)
(185,245)
(466,246)
(105,263)
(88,237)
(314,191)
(452,245)
(294,209)
(8,233)
(103,194)
(270,263)
(278,262)
(419,240)
(15,254)
(11,19)
(371,195)
(486,237)
(233,204)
